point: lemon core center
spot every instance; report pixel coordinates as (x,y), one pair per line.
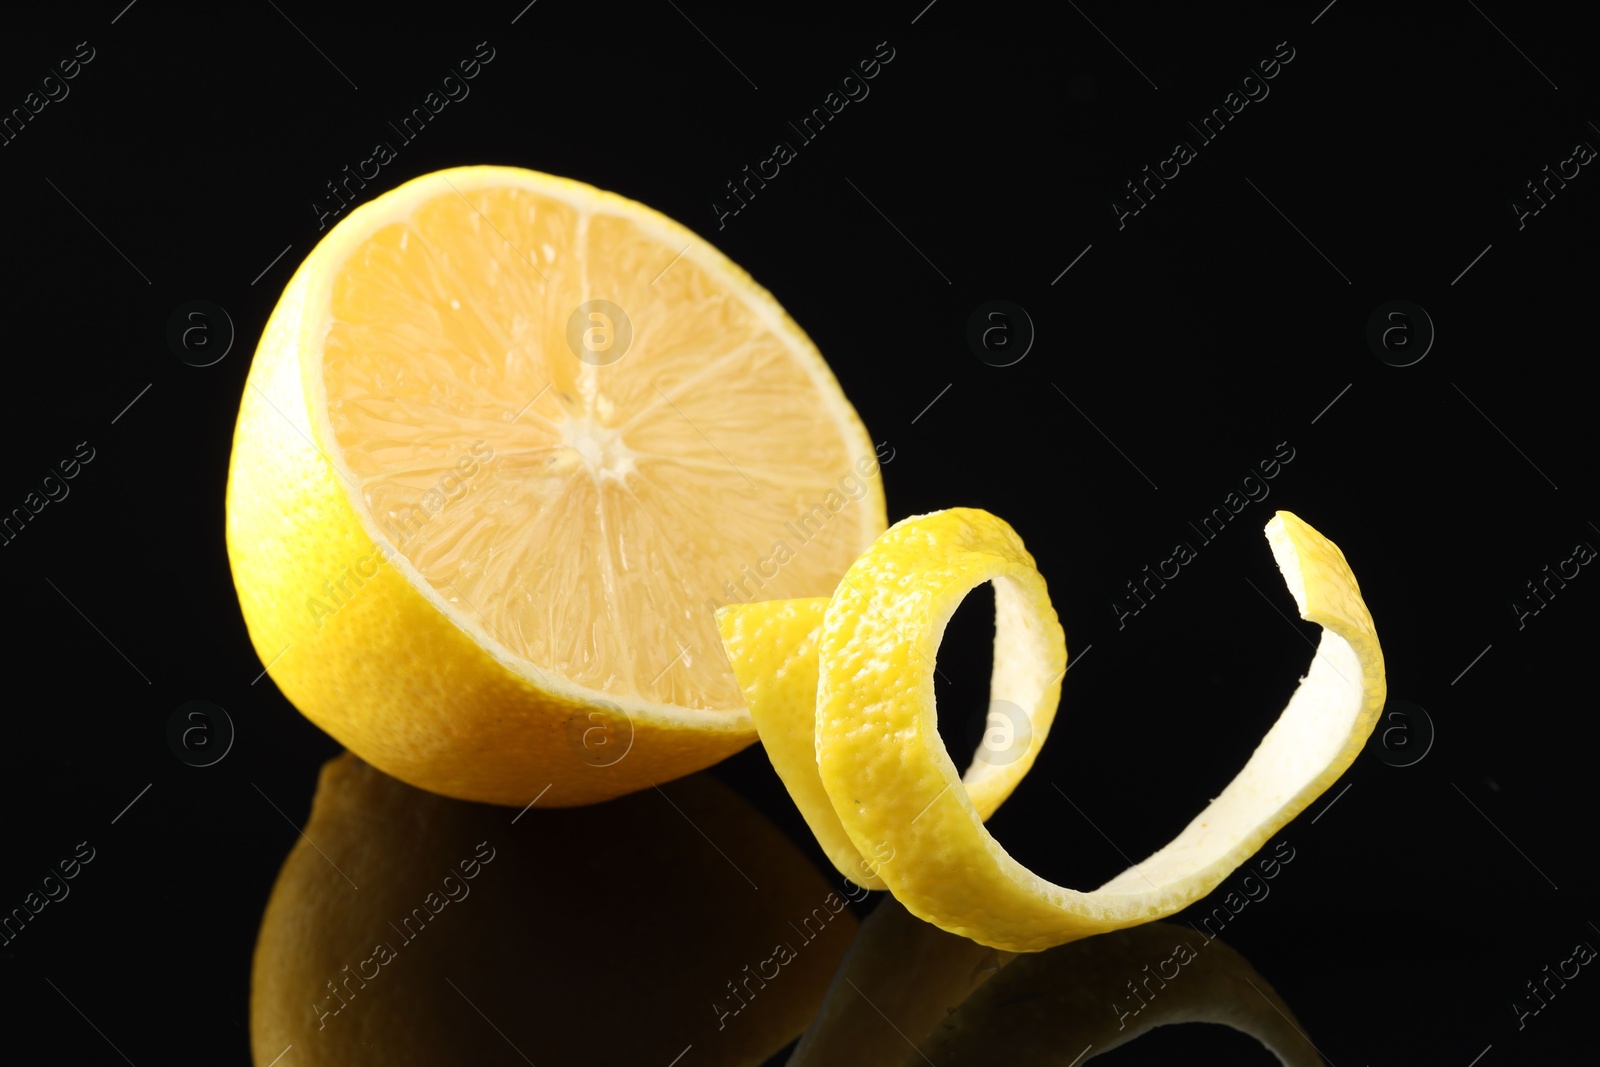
(598,447)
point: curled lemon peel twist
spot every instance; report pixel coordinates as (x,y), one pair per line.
(841,692)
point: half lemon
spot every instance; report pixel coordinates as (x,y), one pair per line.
(507,443)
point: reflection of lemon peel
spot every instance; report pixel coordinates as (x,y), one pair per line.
(901,969)
(880,774)
(784,638)
(1043,1009)
(960,1003)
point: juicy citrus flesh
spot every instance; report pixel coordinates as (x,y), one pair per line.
(613,494)
(479,533)
(899,808)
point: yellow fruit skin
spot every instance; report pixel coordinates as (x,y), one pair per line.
(387,674)
(773,648)
(881,768)
(879,753)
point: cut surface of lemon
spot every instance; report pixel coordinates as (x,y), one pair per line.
(896,805)
(506,444)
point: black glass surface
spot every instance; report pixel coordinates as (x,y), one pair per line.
(1086,267)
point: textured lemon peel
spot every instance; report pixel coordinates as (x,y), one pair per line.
(882,794)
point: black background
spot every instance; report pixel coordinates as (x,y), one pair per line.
(1221,320)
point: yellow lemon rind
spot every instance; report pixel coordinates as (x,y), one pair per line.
(894,791)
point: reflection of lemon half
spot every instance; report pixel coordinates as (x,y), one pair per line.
(507,442)
(882,794)
(612,934)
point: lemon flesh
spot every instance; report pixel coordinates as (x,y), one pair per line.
(917,825)
(506,444)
